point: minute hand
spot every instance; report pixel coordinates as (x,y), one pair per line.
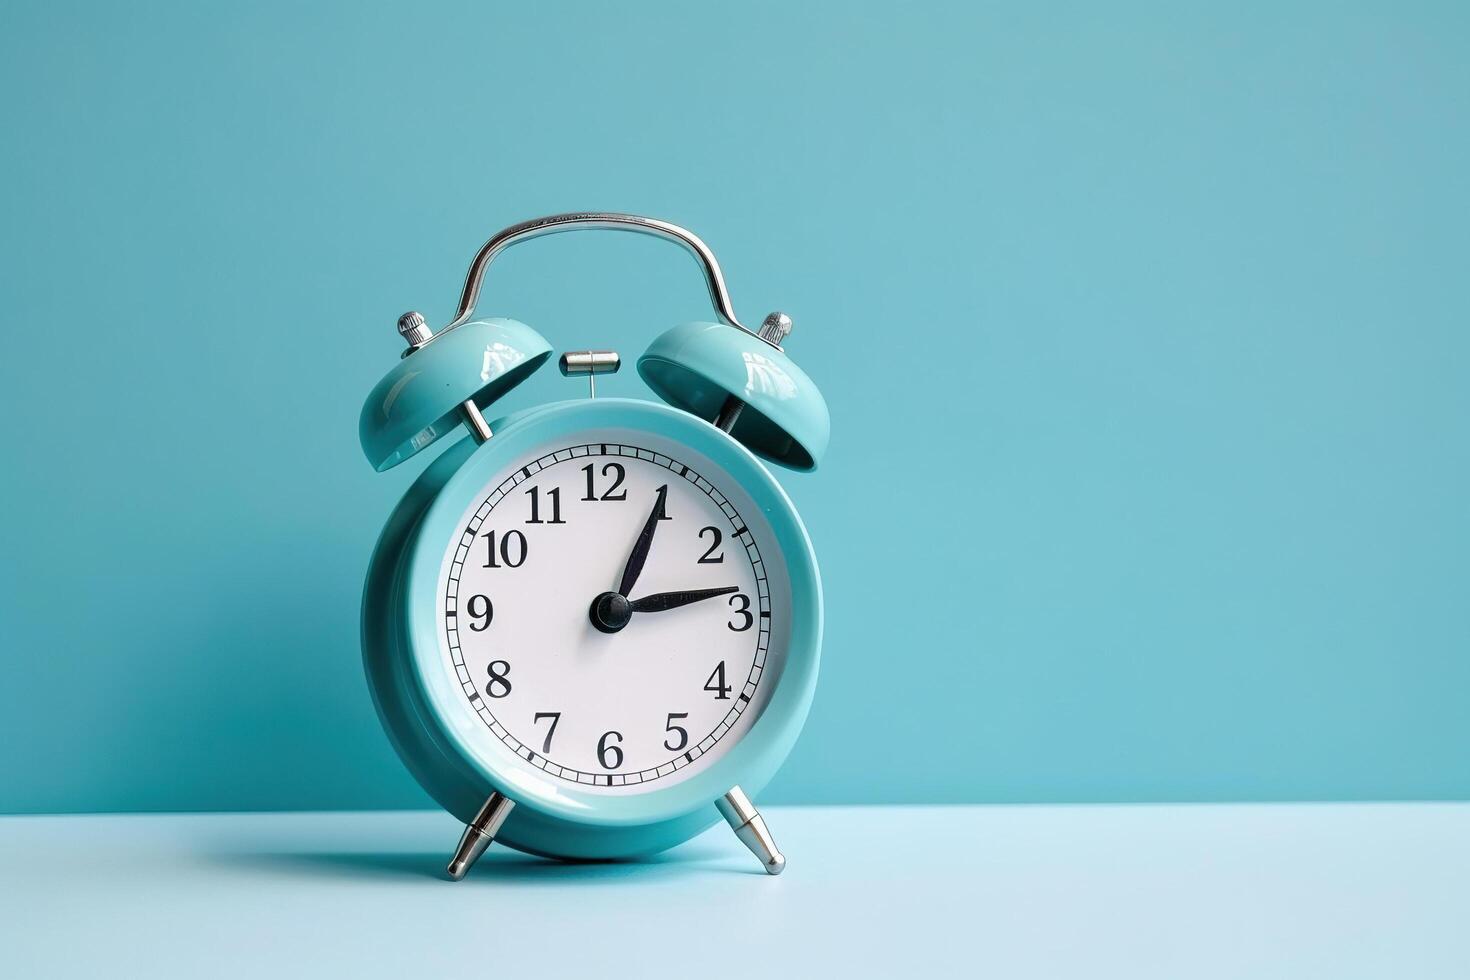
(660,601)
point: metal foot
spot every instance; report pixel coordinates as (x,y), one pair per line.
(478,835)
(745,820)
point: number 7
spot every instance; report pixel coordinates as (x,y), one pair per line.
(555,717)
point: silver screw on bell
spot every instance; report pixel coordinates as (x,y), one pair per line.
(775,328)
(414,330)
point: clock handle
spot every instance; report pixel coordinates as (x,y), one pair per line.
(739,378)
(596,220)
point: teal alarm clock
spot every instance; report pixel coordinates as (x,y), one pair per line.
(591,628)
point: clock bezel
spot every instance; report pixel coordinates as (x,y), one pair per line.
(470,753)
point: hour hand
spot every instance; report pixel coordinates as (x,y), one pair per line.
(660,601)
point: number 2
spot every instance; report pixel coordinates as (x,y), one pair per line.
(709,557)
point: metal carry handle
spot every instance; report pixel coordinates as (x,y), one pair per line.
(588,220)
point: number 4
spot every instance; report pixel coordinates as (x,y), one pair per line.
(716,683)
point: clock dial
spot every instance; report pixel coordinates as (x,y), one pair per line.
(614,610)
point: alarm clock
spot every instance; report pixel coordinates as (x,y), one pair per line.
(591,628)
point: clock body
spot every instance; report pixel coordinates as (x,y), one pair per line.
(489,674)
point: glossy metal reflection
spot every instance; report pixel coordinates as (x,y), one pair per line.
(479,834)
(750,828)
(606,220)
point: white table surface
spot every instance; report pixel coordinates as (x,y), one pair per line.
(1296,891)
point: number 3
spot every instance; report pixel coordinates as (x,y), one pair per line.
(740,602)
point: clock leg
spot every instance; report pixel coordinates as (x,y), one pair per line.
(478,835)
(745,820)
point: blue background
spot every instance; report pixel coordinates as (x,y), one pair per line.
(1144,332)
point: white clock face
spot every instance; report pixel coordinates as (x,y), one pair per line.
(615,610)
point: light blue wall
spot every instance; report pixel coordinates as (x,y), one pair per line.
(1146,336)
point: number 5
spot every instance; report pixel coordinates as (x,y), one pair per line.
(669,726)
